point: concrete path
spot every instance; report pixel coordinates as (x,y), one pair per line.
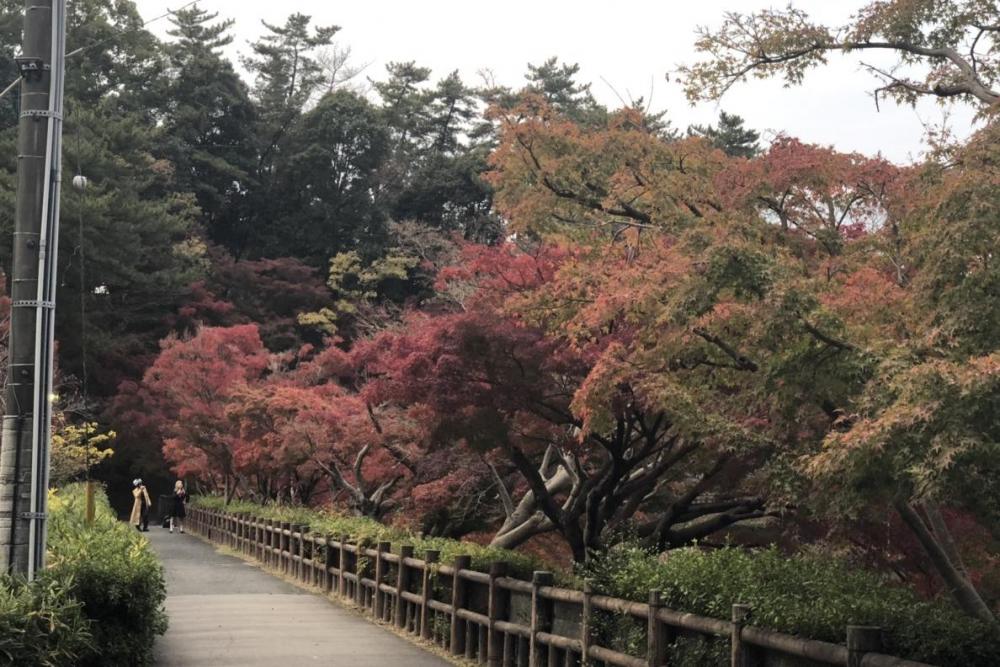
(226,612)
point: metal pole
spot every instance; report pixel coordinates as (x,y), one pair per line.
(24,439)
(46,299)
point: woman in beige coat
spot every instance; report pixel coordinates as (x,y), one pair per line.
(140,507)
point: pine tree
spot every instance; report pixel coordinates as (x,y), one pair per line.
(126,248)
(287,75)
(557,83)
(207,124)
(730,135)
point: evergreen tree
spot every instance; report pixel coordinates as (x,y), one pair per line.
(405,103)
(730,135)
(433,176)
(287,75)
(325,178)
(117,60)
(207,124)
(126,250)
(557,83)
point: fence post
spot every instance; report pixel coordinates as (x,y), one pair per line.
(327,564)
(253,548)
(497,611)
(359,571)
(342,565)
(862,639)
(286,546)
(275,543)
(267,537)
(541,618)
(585,624)
(458,599)
(402,584)
(294,549)
(302,553)
(656,648)
(378,603)
(430,557)
(740,656)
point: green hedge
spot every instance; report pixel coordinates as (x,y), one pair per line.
(808,596)
(100,600)
(369,531)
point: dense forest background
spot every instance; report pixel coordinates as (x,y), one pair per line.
(521,317)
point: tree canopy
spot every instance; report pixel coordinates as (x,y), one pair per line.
(518,315)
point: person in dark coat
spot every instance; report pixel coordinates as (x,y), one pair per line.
(178,513)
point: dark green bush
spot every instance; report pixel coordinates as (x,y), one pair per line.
(809,596)
(41,623)
(114,575)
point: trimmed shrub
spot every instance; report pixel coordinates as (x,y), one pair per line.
(809,596)
(41,623)
(369,532)
(113,574)
(804,595)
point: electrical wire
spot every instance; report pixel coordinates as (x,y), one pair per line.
(169,12)
(11,87)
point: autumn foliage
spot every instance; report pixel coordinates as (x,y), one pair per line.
(674,345)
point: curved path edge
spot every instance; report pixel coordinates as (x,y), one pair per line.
(226,612)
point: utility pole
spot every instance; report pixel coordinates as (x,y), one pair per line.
(25,438)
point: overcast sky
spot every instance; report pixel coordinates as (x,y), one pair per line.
(624,46)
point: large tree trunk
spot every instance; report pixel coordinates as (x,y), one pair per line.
(961,588)
(526,520)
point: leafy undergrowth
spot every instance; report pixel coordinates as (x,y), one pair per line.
(809,596)
(370,532)
(100,600)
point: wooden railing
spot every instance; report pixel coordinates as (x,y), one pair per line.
(493,619)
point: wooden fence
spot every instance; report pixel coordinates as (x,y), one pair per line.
(496,620)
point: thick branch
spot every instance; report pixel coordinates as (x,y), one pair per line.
(743,363)
(964,593)
(828,339)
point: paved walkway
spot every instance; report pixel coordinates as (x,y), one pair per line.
(226,612)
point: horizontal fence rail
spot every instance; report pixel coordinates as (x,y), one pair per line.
(496,620)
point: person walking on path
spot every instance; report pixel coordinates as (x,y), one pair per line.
(140,506)
(178,513)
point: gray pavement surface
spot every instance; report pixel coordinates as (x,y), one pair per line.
(226,612)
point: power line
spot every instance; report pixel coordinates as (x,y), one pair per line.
(11,87)
(169,12)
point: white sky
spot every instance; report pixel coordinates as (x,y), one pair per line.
(632,45)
